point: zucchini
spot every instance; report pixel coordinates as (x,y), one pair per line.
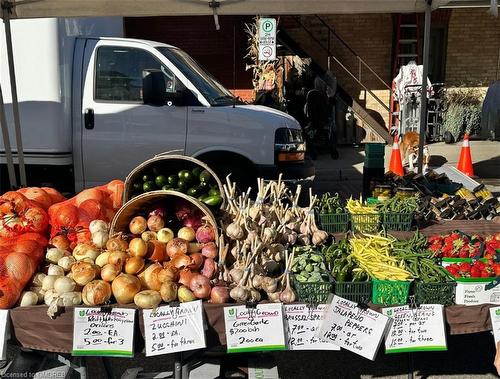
(212,200)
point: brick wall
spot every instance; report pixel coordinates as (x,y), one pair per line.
(473,48)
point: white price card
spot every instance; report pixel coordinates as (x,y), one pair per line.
(4,332)
(254,329)
(415,329)
(170,329)
(355,329)
(104,333)
(495,322)
(302,323)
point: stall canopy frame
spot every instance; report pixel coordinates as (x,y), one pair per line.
(23,9)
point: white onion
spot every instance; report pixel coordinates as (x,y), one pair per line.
(69,298)
(98,226)
(54,254)
(64,285)
(48,282)
(50,296)
(100,238)
(55,270)
(28,298)
(66,262)
(39,292)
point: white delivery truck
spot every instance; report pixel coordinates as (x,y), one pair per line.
(94,107)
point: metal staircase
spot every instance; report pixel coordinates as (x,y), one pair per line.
(321,53)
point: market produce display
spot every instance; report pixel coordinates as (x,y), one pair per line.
(477,269)
(196,182)
(460,245)
(330,204)
(365,217)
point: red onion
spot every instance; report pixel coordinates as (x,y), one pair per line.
(210,250)
(182,210)
(219,295)
(158,212)
(200,285)
(209,268)
(205,233)
(192,221)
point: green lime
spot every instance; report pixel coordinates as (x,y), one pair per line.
(146,178)
(166,187)
(187,176)
(161,180)
(182,185)
(148,186)
(205,176)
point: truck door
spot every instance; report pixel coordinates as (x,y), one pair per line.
(119,131)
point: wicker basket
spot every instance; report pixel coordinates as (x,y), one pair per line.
(170,162)
(152,200)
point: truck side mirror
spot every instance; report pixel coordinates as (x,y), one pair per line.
(154,90)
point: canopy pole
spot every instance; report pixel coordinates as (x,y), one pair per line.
(6,144)
(423,96)
(6,8)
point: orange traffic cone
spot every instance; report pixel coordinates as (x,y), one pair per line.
(396,166)
(465,160)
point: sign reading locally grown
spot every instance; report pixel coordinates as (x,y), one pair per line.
(415,329)
(302,323)
(267,39)
(254,329)
(104,332)
(355,329)
(170,329)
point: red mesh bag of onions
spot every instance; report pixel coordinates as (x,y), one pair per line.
(19,259)
(72,217)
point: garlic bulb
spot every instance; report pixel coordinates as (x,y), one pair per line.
(319,237)
(64,285)
(66,262)
(235,231)
(54,254)
(100,238)
(39,292)
(38,279)
(55,270)
(48,282)
(28,298)
(69,299)
(98,226)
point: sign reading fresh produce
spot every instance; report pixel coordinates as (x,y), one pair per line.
(174,329)
(415,329)
(302,323)
(103,333)
(254,329)
(355,329)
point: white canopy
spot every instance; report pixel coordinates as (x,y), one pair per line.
(131,8)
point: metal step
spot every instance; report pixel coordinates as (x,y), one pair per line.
(407,55)
(408,25)
(406,41)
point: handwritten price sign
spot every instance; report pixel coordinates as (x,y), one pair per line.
(98,333)
(302,324)
(174,329)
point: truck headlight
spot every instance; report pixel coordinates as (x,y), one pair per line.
(289,145)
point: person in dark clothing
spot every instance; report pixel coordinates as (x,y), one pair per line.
(294,95)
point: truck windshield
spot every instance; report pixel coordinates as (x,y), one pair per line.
(214,92)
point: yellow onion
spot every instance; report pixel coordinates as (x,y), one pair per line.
(147,299)
(117,257)
(181,260)
(138,225)
(168,274)
(138,247)
(148,236)
(110,271)
(157,251)
(185,295)
(150,277)
(116,244)
(168,291)
(155,223)
(102,259)
(186,233)
(97,292)
(133,265)
(125,287)
(85,250)
(83,272)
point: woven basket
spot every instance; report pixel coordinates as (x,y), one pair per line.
(152,200)
(170,162)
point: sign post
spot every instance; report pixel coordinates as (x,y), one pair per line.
(267,39)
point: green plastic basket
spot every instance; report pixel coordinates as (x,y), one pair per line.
(365,223)
(312,292)
(390,292)
(355,291)
(334,222)
(398,221)
(435,293)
